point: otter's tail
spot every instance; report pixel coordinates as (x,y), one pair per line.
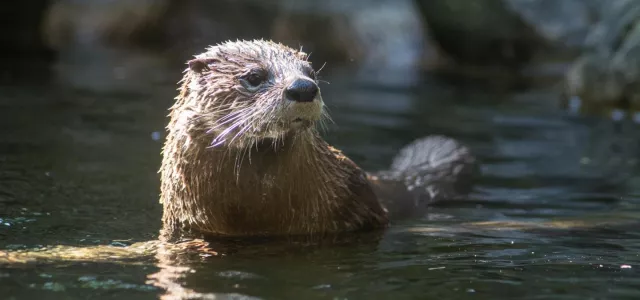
(436,168)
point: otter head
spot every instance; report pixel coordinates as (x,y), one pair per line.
(248,91)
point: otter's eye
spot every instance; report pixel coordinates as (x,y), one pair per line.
(254,79)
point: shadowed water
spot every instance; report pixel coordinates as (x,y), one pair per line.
(556,214)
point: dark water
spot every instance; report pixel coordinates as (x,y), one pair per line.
(555,216)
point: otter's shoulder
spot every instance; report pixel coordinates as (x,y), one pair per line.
(347,163)
(362,196)
(337,153)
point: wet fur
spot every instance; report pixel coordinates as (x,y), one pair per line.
(229,168)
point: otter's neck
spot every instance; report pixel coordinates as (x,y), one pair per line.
(298,186)
(293,155)
(284,186)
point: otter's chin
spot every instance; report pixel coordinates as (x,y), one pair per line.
(301,124)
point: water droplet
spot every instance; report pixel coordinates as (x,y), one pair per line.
(53,286)
(86,278)
(575,103)
(118,244)
(156,135)
(322,286)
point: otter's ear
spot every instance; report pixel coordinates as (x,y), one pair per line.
(201,64)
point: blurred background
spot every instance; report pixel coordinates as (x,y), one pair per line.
(111,44)
(544,92)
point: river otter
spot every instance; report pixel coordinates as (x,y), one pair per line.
(243,157)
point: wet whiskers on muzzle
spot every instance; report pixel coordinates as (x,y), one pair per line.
(295,107)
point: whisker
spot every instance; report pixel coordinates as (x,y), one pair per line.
(254,117)
(327,115)
(237,118)
(319,70)
(220,124)
(220,138)
(251,117)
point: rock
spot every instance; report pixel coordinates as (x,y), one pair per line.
(562,23)
(118,45)
(71,22)
(321,35)
(481,32)
(388,41)
(607,74)
(382,38)
(591,79)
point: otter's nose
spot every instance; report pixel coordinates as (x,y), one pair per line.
(302,90)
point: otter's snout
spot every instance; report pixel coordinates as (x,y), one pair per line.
(302,90)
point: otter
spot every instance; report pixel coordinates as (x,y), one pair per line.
(243,156)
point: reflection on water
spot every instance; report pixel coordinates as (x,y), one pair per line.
(555,214)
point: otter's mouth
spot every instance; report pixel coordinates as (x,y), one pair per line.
(300,123)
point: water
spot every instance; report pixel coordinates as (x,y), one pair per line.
(555,215)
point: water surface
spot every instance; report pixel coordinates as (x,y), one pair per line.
(555,215)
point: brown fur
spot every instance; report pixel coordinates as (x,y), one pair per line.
(252,185)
